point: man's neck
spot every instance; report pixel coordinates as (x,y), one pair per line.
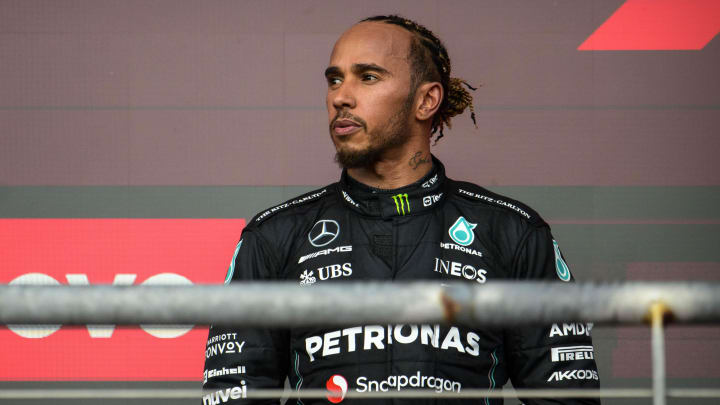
(396,169)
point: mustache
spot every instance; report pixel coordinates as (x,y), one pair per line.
(343,115)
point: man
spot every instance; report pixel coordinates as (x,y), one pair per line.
(394,216)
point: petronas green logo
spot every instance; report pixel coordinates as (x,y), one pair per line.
(462,232)
(561,268)
(402,204)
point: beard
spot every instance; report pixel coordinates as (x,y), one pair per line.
(393,133)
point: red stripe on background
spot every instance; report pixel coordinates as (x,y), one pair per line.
(657,25)
(633,221)
(198,249)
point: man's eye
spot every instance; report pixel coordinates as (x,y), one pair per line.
(333,81)
(369,77)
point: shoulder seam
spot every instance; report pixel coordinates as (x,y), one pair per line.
(518,249)
(271,250)
(294,202)
(482,195)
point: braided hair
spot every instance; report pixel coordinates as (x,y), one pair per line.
(430,62)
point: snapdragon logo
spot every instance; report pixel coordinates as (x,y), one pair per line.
(400,382)
(338,387)
(223,396)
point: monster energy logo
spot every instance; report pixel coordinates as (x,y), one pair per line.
(401,200)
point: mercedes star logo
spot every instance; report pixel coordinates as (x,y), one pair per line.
(323,232)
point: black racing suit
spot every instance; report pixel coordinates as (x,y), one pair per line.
(435,229)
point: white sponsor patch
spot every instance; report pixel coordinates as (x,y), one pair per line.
(289,204)
(452,246)
(376,337)
(496,201)
(574,375)
(208,374)
(572,353)
(221,338)
(326,273)
(349,199)
(430,181)
(457,269)
(400,382)
(571,329)
(229,347)
(429,200)
(223,396)
(339,249)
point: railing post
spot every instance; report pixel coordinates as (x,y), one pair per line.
(658,311)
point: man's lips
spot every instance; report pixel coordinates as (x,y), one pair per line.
(345,126)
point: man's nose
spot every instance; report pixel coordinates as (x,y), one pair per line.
(344,97)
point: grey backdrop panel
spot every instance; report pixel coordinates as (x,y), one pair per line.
(216,109)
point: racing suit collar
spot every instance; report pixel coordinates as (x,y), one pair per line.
(413,199)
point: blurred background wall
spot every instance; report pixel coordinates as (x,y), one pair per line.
(136,137)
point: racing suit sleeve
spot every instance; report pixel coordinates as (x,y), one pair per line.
(558,356)
(240,359)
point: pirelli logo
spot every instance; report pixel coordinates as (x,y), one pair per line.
(571,353)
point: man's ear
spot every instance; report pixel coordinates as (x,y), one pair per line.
(429,96)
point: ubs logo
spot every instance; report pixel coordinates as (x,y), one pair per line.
(323,232)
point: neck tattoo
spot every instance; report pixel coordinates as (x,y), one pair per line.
(418,160)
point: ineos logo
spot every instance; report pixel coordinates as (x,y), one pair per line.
(323,232)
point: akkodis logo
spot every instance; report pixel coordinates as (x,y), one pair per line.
(338,386)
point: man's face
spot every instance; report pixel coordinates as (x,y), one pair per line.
(368,98)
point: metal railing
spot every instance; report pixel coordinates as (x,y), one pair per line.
(290,305)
